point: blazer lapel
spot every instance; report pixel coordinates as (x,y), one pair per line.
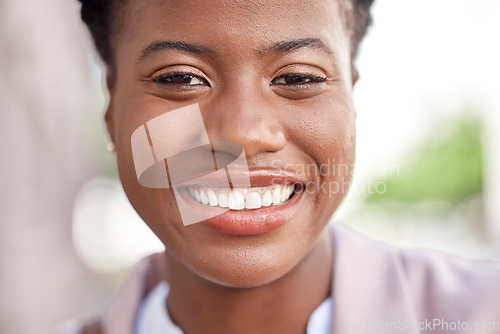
(369,287)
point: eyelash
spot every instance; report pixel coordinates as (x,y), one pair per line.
(167,78)
(301,79)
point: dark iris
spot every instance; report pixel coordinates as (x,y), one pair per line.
(179,78)
(295,79)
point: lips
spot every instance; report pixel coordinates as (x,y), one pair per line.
(264,206)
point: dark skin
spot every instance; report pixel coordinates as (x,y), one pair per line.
(287,106)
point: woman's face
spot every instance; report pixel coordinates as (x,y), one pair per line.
(273,76)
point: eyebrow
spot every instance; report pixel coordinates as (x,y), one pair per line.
(295,44)
(158,46)
(281,46)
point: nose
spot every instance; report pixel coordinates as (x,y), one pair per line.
(247,114)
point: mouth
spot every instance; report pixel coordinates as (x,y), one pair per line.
(268,203)
(243,198)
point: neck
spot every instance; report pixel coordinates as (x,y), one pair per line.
(282,306)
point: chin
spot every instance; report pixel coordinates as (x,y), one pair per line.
(244,266)
(244,276)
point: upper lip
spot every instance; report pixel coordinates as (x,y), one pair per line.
(258,178)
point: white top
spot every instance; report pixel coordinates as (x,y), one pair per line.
(153,317)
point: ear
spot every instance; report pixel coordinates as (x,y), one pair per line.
(354,74)
(109,115)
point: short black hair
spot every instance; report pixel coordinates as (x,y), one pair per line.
(101,17)
(359,20)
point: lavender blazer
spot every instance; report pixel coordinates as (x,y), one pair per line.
(375,289)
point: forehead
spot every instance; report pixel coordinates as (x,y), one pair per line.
(236,25)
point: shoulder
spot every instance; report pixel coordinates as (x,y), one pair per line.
(121,312)
(76,328)
(417,282)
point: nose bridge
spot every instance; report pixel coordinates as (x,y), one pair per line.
(245,113)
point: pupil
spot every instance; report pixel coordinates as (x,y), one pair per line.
(182,78)
(294,79)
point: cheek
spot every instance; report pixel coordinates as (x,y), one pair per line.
(325,132)
(325,128)
(157,207)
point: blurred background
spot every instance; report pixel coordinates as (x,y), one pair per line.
(428,155)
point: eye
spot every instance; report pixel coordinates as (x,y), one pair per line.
(180,79)
(299,83)
(297,79)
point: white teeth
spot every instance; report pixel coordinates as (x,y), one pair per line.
(290,190)
(204,198)
(236,201)
(283,194)
(276,194)
(253,200)
(267,199)
(212,199)
(243,198)
(223,200)
(286,192)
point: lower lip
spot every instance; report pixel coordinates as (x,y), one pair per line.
(245,222)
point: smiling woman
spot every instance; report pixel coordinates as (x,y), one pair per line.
(274,77)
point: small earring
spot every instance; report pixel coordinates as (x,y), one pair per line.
(111,147)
